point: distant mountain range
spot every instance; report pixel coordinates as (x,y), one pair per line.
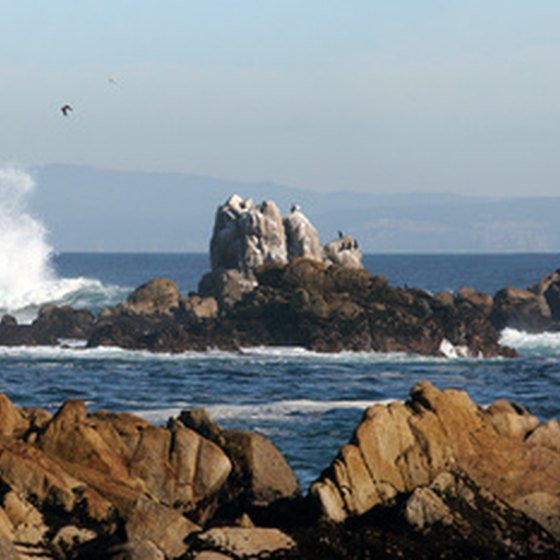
(90,209)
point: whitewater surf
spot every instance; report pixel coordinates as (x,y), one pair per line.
(27,277)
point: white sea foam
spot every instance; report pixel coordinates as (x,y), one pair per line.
(76,350)
(548,341)
(27,278)
(286,411)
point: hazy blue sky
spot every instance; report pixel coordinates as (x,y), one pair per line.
(379,96)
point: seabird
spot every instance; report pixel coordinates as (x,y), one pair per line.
(66,109)
(295,208)
(340,234)
(112,81)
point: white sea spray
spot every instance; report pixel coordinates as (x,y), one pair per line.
(27,277)
(547,342)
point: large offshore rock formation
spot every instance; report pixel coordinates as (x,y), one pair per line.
(272,283)
(247,236)
(306,303)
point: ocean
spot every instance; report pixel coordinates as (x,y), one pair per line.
(307,403)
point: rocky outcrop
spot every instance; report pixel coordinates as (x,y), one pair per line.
(343,252)
(549,288)
(302,239)
(238,542)
(433,476)
(536,309)
(401,447)
(260,478)
(75,480)
(51,325)
(521,309)
(159,296)
(319,306)
(246,237)
(308,303)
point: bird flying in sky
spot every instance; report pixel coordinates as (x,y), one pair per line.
(66,109)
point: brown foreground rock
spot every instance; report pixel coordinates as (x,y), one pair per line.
(400,447)
(435,477)
(79,485)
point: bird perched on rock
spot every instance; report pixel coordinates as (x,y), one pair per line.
(66,109)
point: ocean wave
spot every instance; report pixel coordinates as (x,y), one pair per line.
(79,293)
(286,411)
(77,350)
(27,278)
(547,342)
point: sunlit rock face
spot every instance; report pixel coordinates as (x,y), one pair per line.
(302,238)
(246,236)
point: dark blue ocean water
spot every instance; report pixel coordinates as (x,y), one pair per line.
(307,403)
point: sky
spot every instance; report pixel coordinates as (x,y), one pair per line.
(458,96)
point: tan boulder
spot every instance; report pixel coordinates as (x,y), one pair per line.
(157,296)
(246,543)
(31,473)
(27,521)
(425,507)
(547,435)
(477,299)
(200,307)
(264,470)
(12,423)
(201,467)
(6,526)
(122,456)
(511,420)
(398,448)
(162,525)
(8,550)
(70,437)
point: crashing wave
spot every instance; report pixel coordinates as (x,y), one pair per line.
(27,278)
(548,342)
